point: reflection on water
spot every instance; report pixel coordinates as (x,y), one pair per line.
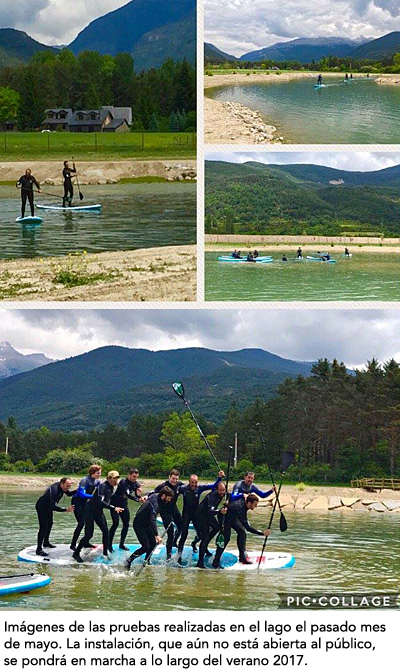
(133,216)
(360,112)
(346,552)
(365,276)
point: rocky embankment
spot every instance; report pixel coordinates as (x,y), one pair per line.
(324,503)
(232,122)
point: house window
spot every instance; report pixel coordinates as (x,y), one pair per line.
(63,115)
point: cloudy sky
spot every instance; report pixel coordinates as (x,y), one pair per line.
(301,335)
(238,26)
(53,21)
(354,162)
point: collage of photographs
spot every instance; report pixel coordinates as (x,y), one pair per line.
(199,303)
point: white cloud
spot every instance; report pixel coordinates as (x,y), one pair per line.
(354,162)
(53,21)
(245,25)
(305,335)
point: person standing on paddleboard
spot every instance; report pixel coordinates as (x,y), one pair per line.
(68,187)
(45,506)
(191,496)
(128,488)
(247,486)
(145,523)
(209,520)
(87,486)
(94,513)
(319,80)
(26,183)
(236,519)
(171,513)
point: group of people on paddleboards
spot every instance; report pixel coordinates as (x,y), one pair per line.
(27,181)
(251,256)
(212,514)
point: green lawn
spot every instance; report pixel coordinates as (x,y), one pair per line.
(96,146)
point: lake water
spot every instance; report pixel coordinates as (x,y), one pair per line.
(133,216)
(342,552)
(359,112)
(366,276)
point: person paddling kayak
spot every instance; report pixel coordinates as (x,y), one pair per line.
(67,173)
(26,183)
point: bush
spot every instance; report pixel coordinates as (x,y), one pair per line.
(24,466)
(5,463)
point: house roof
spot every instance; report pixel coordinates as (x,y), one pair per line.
(115,123)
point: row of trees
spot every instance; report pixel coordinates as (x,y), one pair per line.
(340,424)
(390,64)
(91,80)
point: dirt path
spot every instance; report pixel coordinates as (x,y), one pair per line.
(160,274)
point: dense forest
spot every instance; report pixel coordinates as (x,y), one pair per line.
(161,99)
(388,65)
(341,425)
(254,198)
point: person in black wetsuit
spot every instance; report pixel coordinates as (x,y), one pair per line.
(145,523)
(94,513)
(171,512)
(26,183)
(250,257)
(319,80)
(68,187)
(247,486)
(284,258)
(255,254)
(209,520)
(128,488)
(191,497)
(45,506)
(299,253)
(236,519)
(87,486)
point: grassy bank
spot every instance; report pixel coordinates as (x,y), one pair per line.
(96,146)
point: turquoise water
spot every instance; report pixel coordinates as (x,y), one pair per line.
(360,112)
(336,552)
(133,216)
(366,276)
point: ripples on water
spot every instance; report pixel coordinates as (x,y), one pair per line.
(346,552)
(360,112)
(133,216)
(366,276)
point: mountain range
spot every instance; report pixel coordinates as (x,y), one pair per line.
(12,362)
(150,30)
(111,383)
(302,199)
(305,50)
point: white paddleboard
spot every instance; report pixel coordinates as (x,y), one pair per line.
(29,220)
(88,207)
(10,585)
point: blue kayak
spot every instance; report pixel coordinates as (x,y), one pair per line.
(11,585)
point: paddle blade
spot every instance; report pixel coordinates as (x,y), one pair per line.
(179,389)
(80,195)
(287,460)
(282,523)
(219,542)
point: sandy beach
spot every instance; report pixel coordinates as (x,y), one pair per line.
(290,244)
(101,172)
(155,274)
(233,123)
(299,498)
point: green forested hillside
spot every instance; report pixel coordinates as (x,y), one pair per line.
(17,47)
(300,199)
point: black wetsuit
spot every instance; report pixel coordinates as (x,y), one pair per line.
(87,486)
(241,487)
(170,512)
(68,187)
(45,506)
(126,490)
(236,519)
(191,499)
(145,525)
(208,521)
(27,184)
(94,513)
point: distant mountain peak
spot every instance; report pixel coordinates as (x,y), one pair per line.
(13,362)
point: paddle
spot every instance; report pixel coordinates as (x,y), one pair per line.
(77,181)
(220,540)
(287,460)
(147,560)
(282,520)
(180,391)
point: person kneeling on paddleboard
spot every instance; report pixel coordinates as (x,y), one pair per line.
(94,513)
(247,486)
(26,183)
(236,519)
(145,523)
(45,506)
(68,187)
